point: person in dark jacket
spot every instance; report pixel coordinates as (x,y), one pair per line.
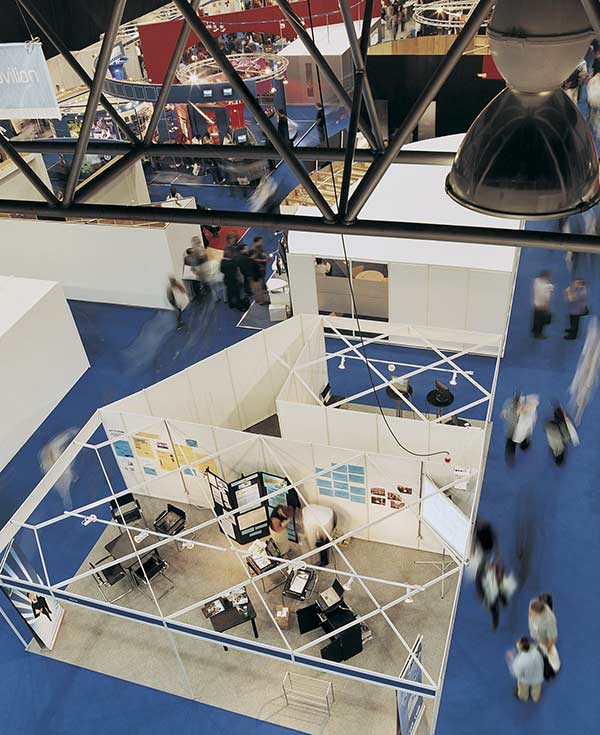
(247,268)
(320,123)
(231,278)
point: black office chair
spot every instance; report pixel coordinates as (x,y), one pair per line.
(150,568)
(107,578)
(440,398)
(172,522)
(126,509)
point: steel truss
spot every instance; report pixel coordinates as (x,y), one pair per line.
(344,220)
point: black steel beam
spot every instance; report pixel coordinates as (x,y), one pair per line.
(283,147)
(93,99)
(378,169)
(169,77)
(358,56)
(359,82)
(27,171)
(303,223)
(236,152)
(62,49)
(321,63)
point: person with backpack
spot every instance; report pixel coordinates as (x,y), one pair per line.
(543,629)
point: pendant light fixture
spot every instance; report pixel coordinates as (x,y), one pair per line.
(529,154)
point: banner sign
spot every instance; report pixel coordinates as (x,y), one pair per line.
(26,89)
(42,614)
(410,705)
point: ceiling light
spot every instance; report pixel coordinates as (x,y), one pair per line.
(529,154)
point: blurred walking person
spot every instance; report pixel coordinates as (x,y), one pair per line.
(543,289)
(494,587)
(560,434)
(584,381)
(178,298)
(49,454)
(543,628)
(520,416)
(528,668)
(576,295)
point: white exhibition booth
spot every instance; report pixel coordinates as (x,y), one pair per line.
(436,284)
(332,42)
(97,260)
(42,357)
(159,442)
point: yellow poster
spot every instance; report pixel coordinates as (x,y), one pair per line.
(166,460)
(187,455)
(142,445)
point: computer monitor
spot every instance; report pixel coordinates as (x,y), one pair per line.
(207,93)
(242,138)
(227,92)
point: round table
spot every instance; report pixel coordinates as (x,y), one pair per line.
(276,284)
(370,276)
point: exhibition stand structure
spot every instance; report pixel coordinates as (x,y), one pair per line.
(100,260)
(393,520)
(437,284)
(36,329)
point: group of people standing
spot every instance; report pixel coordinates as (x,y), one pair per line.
(575,295)
(244,271)
(536,658)
(395,15)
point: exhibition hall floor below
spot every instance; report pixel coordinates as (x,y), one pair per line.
(236,680)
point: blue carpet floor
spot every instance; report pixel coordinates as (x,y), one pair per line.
(547,518)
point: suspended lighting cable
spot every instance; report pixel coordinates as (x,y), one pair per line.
(352,295)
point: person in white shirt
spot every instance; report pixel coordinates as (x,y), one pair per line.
(528,667)
(542,297)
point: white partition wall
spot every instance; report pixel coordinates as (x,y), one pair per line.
(14,185)
(430,283)
(116,264)
(42,357)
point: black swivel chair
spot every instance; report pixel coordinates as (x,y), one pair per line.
(440,398)
(126,509)
(150,568)
(107,578)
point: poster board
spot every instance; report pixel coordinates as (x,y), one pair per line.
(449,522)
(410,705)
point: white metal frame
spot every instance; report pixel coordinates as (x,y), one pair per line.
(432,685)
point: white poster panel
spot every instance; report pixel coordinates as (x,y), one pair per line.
(173,398)
(392,484)
(26,87)
(300,422)
(295,461)
(122,447)
(412,433)
(464,445)
(283,340)
(444,517)
(242,456)
(349,428)
(156,458)
(193,443)
(251,380)
(213,392)
(343,488)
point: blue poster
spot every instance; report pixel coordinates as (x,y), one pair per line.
(42,613)
(26,90)
(411,705)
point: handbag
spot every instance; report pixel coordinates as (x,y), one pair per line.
(549,672)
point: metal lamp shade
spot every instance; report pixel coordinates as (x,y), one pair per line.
(526,157)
